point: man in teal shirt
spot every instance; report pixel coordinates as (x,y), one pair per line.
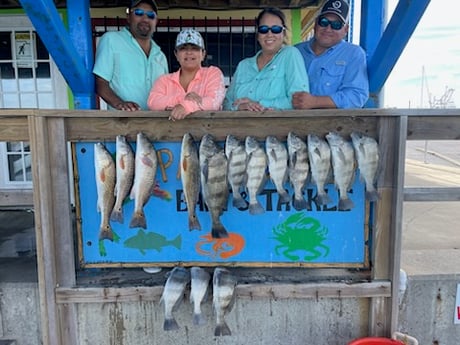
(129,61)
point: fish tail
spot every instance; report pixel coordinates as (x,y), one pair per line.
(256,208)
(199,319)
(323,199)
(170,324)
(222,329)
(105,233)
(283,197)
(177,242)
(372,195)
(346,204)
(299,204)
(117,216)
(218,231)
(238,201)
(138,221)
(193,223)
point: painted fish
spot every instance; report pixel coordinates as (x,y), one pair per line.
(144,241)
(319,155)
(105,185)
(124,176)
(198,292)
(277,155)
(237,176)
(256,170)
(367,155)
(213,167)
(223,300)
(298,169)
(343,167)
(190,177)
(145,168)
(172,296)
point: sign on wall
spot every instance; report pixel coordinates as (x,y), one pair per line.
(280,236)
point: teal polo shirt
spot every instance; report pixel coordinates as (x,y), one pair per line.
(121,61)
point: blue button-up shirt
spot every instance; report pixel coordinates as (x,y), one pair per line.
(340,73)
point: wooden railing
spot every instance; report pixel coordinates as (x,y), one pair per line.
(49,131)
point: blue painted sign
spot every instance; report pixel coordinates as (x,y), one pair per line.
(281,236)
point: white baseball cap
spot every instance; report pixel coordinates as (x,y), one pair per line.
(189,36)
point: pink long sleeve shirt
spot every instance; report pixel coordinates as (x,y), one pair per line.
(208,83)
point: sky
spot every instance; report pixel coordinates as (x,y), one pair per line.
(433,50)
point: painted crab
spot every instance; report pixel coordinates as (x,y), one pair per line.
(300,233)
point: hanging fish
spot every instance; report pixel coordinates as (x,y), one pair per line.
(223,283)
(298,169)
(145,168)
(277,155)
(172,295)
(256,170)
(105,185)
(198,293)
(190,177)
(319,155)
(237,176)
(367,155)
(213,167)
(343,167)
(124,159)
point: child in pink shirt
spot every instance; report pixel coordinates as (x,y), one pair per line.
(192,87)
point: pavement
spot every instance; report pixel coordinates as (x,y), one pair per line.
(430,231)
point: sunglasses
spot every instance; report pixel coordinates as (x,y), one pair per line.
(335,25)
(140,12)
(264,29)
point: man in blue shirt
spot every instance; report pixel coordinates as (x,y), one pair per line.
(337,69)
(129,61)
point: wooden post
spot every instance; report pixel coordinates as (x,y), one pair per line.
(55,253)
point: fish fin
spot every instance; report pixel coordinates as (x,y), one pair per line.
(170,325)
(184,165)
(106,233)
(218,231)
(272,154)
(256,208)
(199,319)
(372,195)
(299,204)
(205,170)
(345,204)
(283,197)
(138,221)
(117,216)
(193,223)
(238,201)
(222,329)
(322,199)
(177,242)
(147,161)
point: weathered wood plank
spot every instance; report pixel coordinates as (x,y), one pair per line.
(432,194)
(432,128)
(14,129)
(275,291)
(17,198)
(100,129)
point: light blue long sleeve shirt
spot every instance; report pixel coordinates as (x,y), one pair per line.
(340,73)
(121,61)
(273,85)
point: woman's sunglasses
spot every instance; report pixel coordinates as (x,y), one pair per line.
(335,25)
(140,12)
(264,29)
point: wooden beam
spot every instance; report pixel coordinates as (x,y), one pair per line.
(275,291)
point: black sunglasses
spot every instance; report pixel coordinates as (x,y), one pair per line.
(140,12)
(264,29)
(335,25)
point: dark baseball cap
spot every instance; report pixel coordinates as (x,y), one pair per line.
(134,3)
(338,7)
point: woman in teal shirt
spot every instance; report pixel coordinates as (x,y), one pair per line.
(268,79)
